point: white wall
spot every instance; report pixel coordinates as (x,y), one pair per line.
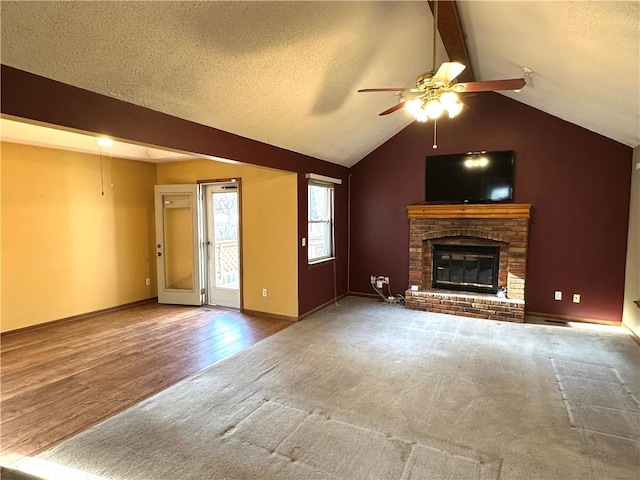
(631,313)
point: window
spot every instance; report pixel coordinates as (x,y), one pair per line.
(320,244)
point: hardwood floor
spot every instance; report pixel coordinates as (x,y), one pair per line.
(64,378)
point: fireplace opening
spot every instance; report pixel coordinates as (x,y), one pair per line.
(466,267)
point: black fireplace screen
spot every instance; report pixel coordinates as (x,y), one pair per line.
(466,267)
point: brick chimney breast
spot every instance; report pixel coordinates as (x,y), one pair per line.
(505,226)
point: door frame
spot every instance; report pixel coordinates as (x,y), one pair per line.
(177,296)
(204,261)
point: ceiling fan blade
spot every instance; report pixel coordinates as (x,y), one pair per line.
(393,109)
(490,85)
(385,90)
(447,72)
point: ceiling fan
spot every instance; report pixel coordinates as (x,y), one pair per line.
(435,90)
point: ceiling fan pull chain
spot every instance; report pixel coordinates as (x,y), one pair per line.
(111,167)
(435,130)
(101,173)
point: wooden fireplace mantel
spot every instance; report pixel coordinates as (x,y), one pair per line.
(489,210)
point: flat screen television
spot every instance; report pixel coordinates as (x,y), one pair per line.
(474,177)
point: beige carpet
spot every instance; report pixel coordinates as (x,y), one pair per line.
(365,390)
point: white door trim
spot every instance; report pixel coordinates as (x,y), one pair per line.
(188,197)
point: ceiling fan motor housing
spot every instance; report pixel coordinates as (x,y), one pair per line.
(423,81)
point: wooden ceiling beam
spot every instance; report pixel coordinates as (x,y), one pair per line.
(450,29)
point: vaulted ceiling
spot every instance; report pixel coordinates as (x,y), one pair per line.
(286,73)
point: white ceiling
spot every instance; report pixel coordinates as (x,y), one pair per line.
(45,136)
(585,55)
(286,73)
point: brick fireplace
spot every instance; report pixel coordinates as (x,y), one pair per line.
(459,231)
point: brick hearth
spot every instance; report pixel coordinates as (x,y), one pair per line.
(505,226)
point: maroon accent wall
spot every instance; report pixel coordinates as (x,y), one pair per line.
(33,97)
(577,181)
(322,290)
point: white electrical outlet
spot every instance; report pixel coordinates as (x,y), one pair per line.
(264,292)
(557,295)
(576,298)
(147,282)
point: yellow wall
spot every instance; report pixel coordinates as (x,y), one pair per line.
(631,313)
(0,238)
(269,229)
(66,249)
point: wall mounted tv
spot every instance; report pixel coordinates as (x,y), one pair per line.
(474,177)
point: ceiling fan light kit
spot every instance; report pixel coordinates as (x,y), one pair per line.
(433,103)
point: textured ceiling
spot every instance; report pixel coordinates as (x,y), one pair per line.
(585,55)
(286,73)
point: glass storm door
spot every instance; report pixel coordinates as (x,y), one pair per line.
(222,222)
(177,244)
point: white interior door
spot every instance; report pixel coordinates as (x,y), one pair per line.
(178,245)
(222,220)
